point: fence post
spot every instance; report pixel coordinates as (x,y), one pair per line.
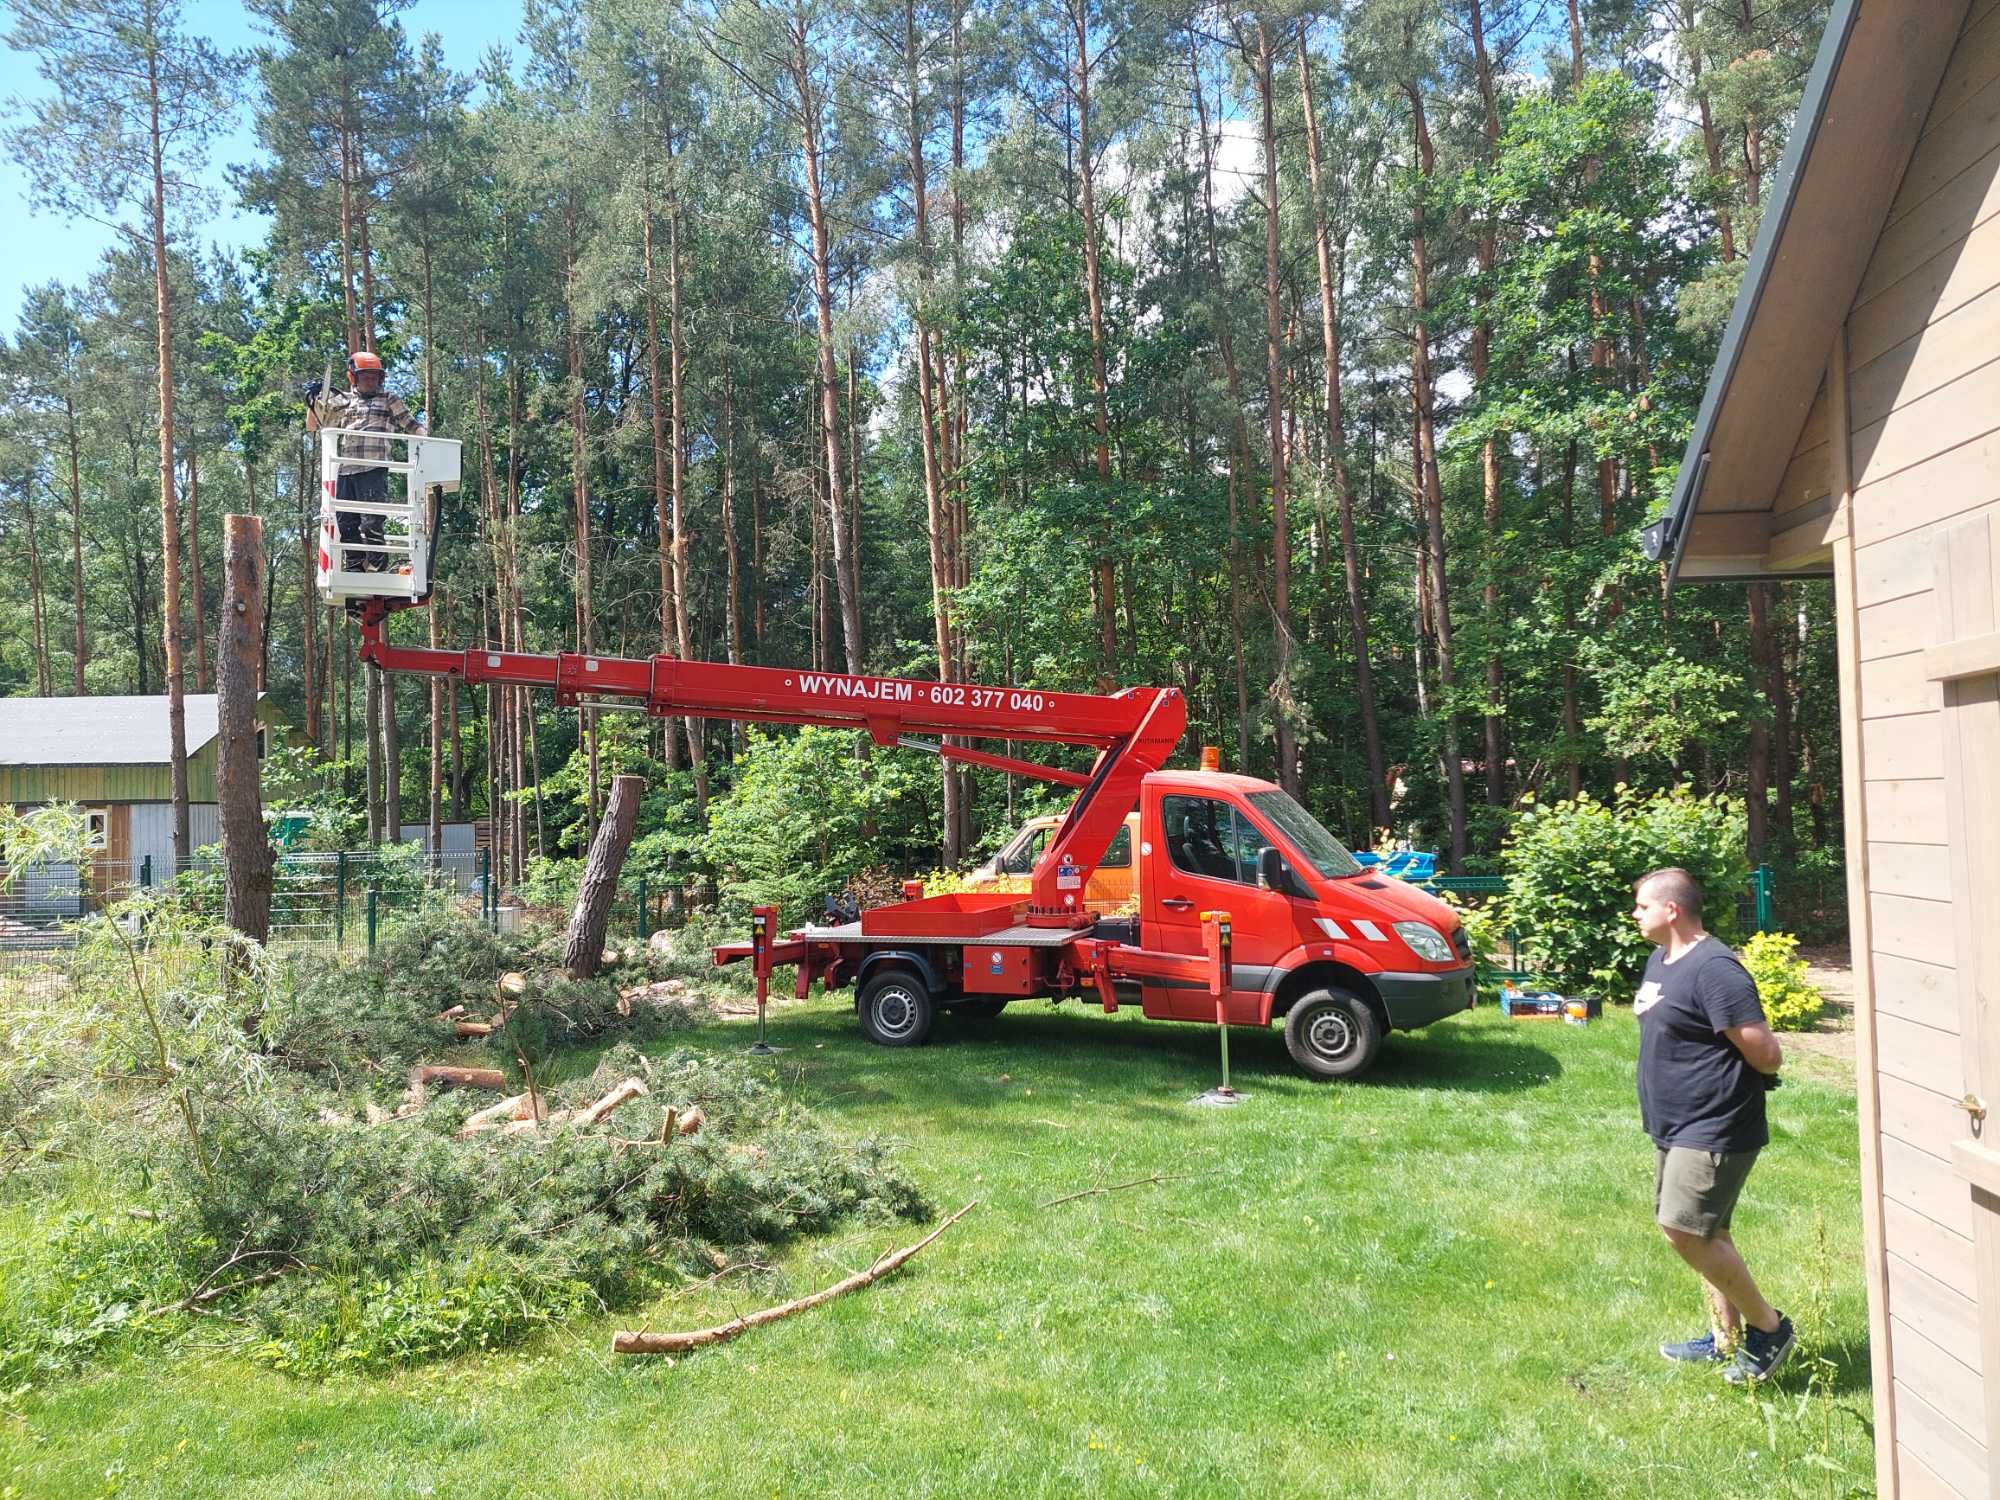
(643,934)
(489,905)
(146,873)
(374,893)
(1766,899)
(340,899)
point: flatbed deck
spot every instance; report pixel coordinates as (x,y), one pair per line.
(1022,936)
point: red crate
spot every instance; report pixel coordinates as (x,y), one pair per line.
(967,914)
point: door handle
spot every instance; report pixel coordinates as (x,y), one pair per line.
(1177,903)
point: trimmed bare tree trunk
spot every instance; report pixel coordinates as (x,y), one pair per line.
(81,650)
(202,680)
(43,683)
(436,810)
(585,949)
(170,518)
(246,852)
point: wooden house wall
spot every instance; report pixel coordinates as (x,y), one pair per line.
(1922,420)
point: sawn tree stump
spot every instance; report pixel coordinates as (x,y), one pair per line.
(584,951)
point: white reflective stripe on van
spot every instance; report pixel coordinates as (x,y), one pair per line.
(1370,931)
(1332,929)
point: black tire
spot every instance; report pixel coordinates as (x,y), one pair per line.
(1332,1034)
(981,1008)
(896,1009)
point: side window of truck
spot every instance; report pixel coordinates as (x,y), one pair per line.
(1020,860)
(1210,838)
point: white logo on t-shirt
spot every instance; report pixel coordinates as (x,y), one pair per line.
(1647,998)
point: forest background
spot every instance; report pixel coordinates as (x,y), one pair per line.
(1322,362)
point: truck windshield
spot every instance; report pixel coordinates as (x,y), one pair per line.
(1320,849)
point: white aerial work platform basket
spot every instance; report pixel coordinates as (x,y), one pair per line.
(399,565)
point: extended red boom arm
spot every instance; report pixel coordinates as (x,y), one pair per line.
(1133,731)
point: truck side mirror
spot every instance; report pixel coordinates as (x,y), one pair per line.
(1274,874)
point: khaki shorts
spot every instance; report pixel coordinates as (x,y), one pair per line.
(1695,1191)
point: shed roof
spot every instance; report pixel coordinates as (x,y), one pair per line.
(117,731)
(1864,105)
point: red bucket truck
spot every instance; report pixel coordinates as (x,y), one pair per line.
(1249,911)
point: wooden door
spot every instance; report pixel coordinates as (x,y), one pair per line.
(1966,665)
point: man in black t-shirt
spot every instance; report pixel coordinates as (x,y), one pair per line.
(1706,1059)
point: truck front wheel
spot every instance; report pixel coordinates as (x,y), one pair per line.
(1332,1034)
(896,1009)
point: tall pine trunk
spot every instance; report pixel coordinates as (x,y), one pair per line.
(677,478)
(1093,285)
(846,573)
(1336,458)
(1423,398)
(1487,249)
(1284,707)
(937,526)
(1240,475)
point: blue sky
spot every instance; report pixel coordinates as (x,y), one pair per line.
(43,246)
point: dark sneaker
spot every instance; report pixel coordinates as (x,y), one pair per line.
(1761,1353)
(1701,1350)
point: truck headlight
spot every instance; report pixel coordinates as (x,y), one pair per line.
(1425,942)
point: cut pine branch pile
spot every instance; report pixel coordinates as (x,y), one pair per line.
(642,1341)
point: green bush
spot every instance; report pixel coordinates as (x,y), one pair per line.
(794,828)
(1790,1003)
(1570,870)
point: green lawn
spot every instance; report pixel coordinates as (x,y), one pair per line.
(1439,1281)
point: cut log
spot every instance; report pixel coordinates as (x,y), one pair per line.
(584,952)
(513,985)
(456,1013)
(631,1088)
(458,1078)
(690,1122)
(494,1114)
(640,1341)
(476,1028)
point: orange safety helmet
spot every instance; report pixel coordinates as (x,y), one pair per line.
(363,360)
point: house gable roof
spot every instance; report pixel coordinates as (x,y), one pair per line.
(1865,102)
(116,731)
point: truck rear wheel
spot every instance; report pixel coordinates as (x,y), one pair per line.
(1332,1034)
(896,1009)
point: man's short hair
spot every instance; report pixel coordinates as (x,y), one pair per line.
(1676,885)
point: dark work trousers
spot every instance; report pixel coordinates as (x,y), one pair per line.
(367,486)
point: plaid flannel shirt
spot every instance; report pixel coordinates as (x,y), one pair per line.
(381,412)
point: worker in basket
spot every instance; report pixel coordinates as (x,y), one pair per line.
(367,408)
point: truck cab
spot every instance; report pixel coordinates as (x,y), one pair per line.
(1341,955)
